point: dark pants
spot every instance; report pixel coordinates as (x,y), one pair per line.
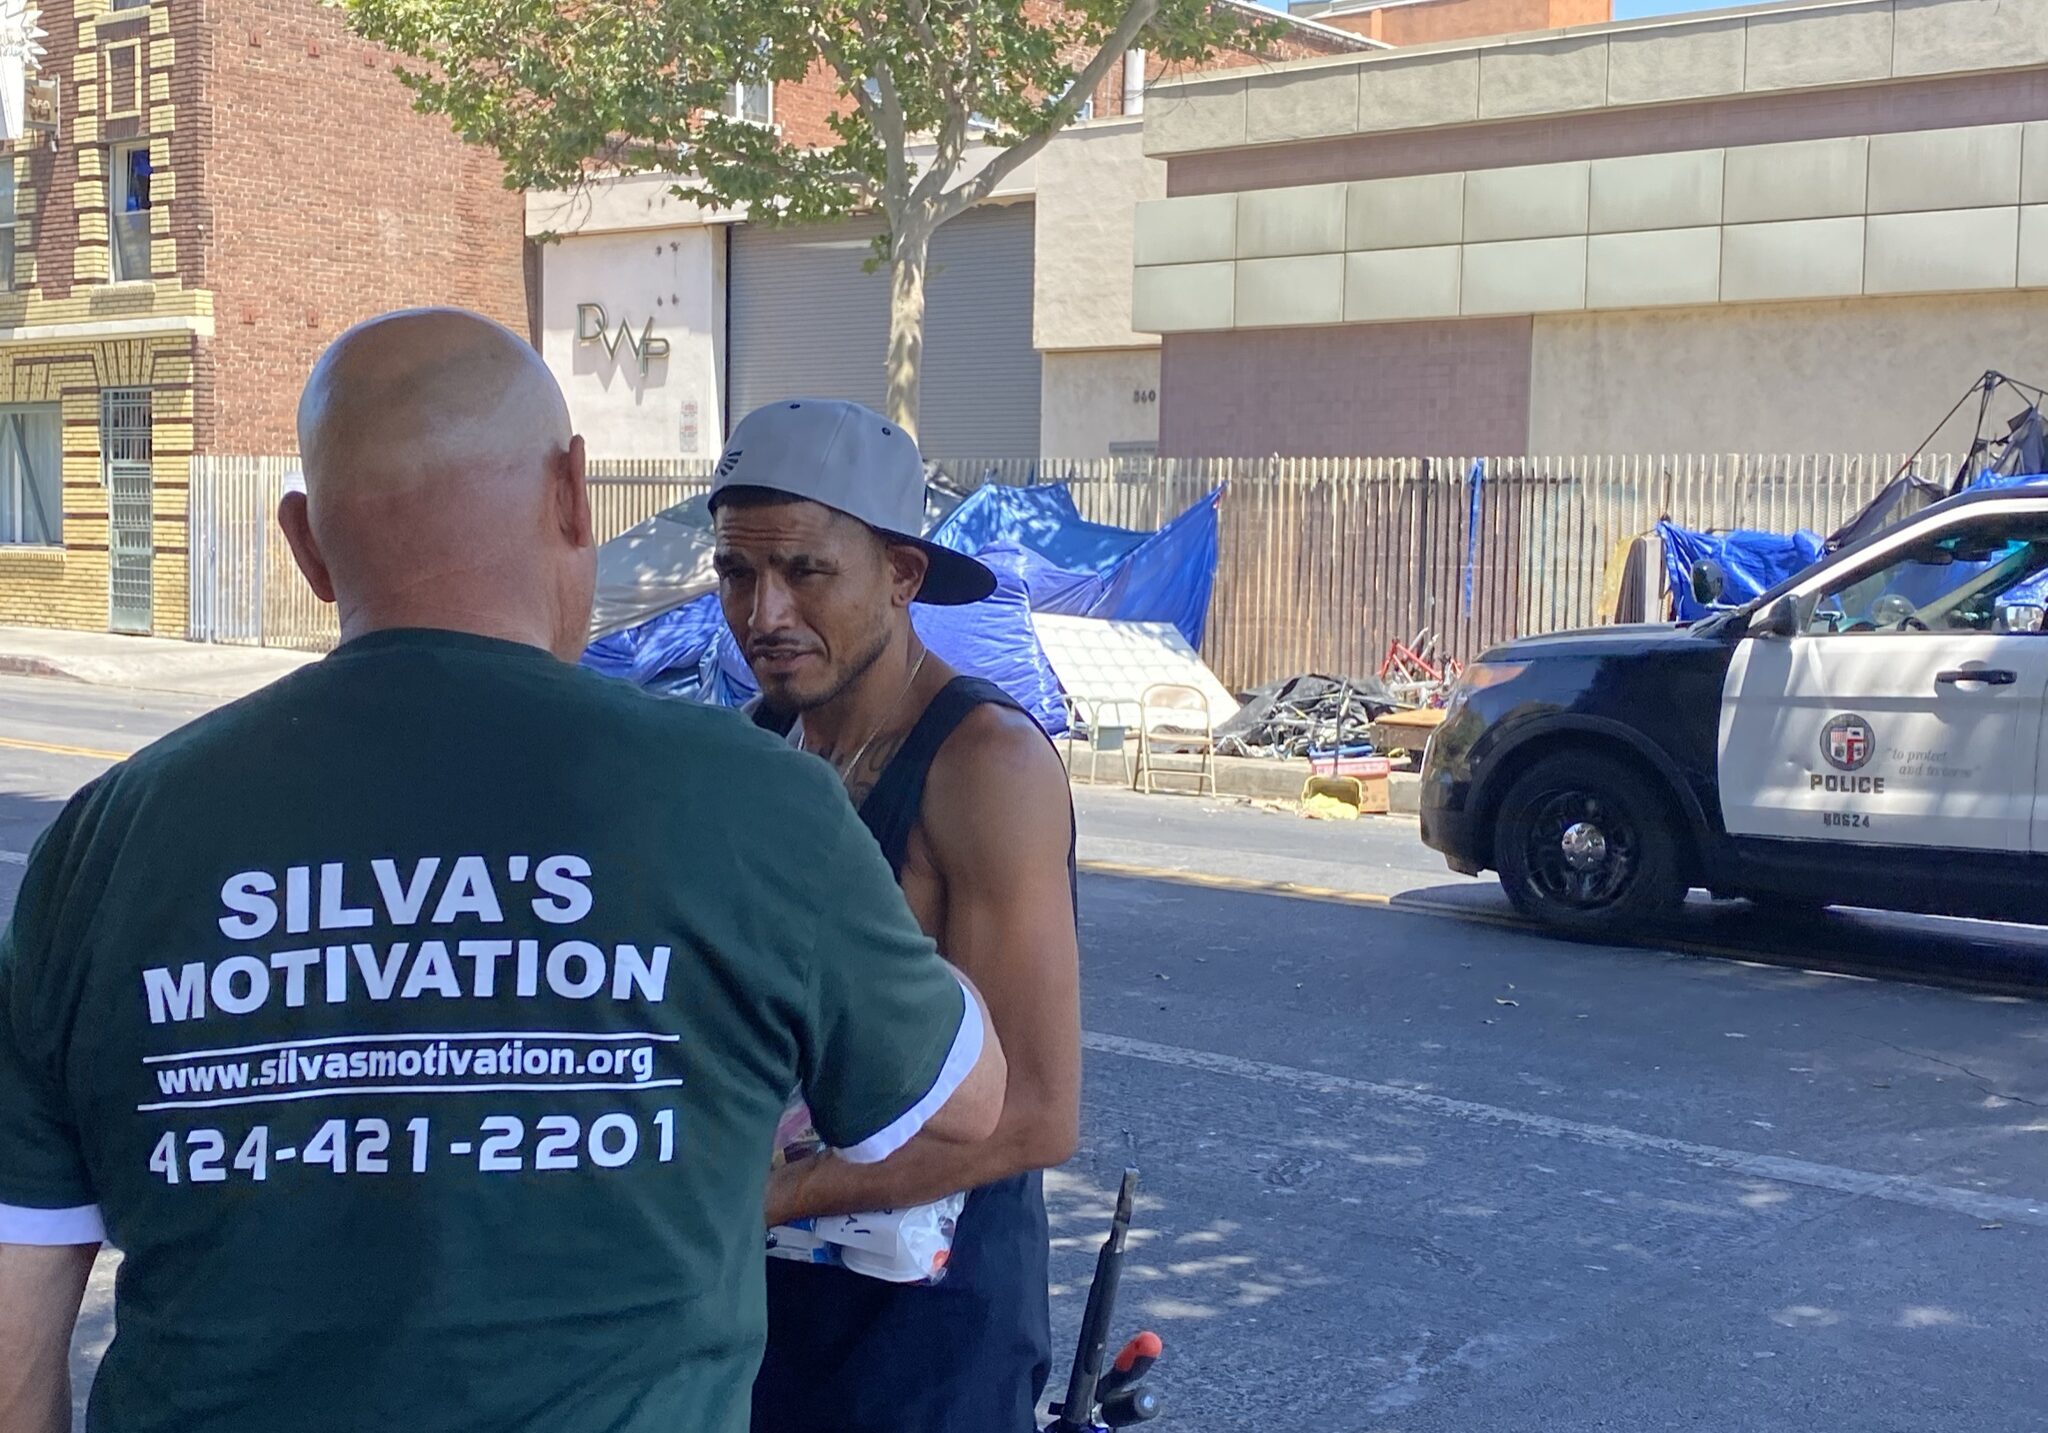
(970,1354)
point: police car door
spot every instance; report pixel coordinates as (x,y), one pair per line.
(1907,709)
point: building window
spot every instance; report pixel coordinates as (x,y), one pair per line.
(131,4)
(752,103)
(128,219)
(7,222)
(131,508)
(31,476)
(124,425)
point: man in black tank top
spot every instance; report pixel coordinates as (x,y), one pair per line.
(817,504)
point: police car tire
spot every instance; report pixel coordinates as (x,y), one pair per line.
(1652,890)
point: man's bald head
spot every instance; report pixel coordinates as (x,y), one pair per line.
(442,479)
(423,391)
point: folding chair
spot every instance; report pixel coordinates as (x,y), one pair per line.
(1106,727)
(1174,721)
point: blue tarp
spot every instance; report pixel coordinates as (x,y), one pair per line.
(1757,561)
(1475,482)
(1078,568)
(1046,557)
(1754,563)
(1988,479)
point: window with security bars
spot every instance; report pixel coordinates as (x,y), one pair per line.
(31,476)
(131,508)
(124,425)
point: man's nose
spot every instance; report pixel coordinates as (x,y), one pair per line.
(773,610)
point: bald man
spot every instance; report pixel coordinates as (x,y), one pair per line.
(418,1027)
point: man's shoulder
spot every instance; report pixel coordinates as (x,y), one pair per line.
(998,745)
(997,789)
(582,705)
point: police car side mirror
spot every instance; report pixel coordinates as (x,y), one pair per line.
(1780,619)
(1708,582)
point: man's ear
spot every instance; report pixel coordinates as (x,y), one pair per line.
(572,496)
(907,568)
(295,518)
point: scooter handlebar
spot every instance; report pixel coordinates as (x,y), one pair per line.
(1131,1405)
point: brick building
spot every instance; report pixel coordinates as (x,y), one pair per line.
(1433,22)
(231,185)
(803,110)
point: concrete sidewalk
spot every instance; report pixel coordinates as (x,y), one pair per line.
(199,669)
(205,669)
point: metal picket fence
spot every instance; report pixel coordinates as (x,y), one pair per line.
(1323,562)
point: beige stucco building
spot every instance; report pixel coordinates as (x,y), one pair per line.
(1802,227)
(1031,348)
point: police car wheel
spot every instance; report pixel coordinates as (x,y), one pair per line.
(1586,843)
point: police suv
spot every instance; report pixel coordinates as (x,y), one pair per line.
(1867,733)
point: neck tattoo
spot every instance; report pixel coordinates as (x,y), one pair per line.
(846,771)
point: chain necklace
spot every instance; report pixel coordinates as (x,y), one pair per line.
(804,738)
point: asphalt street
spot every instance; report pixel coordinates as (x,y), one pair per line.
(1407,1166)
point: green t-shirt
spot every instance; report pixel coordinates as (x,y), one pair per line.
(419,1026)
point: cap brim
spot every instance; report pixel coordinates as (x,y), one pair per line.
(953,579)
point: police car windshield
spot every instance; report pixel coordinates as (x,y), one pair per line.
(1965,581)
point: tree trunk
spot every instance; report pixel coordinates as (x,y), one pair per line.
(909,252)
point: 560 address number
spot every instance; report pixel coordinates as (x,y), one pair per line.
(366,1146)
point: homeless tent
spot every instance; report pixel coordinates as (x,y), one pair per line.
(658,622)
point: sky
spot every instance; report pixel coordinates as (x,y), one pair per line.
(1637,9)
(1623,9)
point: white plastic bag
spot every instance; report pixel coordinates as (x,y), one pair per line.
(900,1246)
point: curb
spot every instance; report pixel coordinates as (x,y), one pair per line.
(18,666)
(1253,779)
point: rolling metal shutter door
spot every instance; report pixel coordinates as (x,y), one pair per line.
(804,319)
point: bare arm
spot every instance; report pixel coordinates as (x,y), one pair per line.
(971,1114)
(41,1287)
(998,821)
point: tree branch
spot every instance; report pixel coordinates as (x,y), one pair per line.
(1006,163)
(919,13)
(849,76)
(894,135)
(952,136)
(884,110)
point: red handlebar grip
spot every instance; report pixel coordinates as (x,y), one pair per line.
(1146,1345)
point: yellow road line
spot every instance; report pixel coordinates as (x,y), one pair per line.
(52,749)
(1235,883)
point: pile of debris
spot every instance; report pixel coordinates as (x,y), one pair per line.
(1311,715)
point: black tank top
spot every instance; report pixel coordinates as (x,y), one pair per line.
(970,1354)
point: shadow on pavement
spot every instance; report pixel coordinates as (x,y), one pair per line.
(1988,956)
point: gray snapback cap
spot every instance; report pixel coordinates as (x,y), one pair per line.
(853,460)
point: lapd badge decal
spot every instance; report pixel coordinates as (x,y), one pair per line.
(1847,743)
